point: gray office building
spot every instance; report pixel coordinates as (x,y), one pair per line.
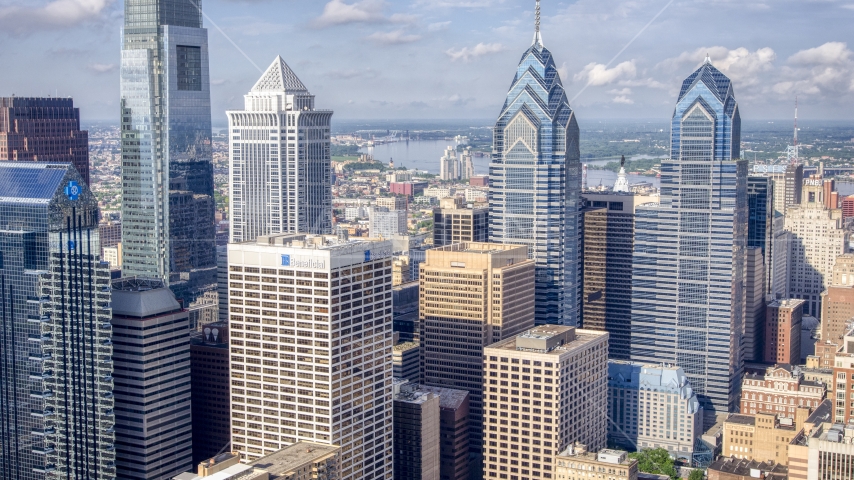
(688,285)
(151,355)
(167,170)
(55,339)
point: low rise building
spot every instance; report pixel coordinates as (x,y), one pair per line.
(781,391)
(576,462)
(729,468)
(300,461)
(653,406)
(763,437)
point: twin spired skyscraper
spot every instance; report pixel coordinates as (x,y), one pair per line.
(688,294)
(535,182)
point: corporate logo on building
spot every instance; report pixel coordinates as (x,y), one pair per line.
(367,255)
(73,190)
(302,262)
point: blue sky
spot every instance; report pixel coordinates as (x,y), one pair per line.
(454,59)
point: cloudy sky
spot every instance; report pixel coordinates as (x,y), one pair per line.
(441,59)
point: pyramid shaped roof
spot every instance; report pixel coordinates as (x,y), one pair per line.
(279,78)
(718,83)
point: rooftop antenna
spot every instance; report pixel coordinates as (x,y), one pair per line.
(538,39)
(792,152)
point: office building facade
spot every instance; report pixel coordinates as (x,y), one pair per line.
(781,390)
(454,222)
(783,332)
(43,130)
(151,367)
(166,146)
(310,324)
(210,390)
(786,180)
(454,432)
(387,223)
(653,406)
(760,221)
(471,295)
(416,432)
(689,254)
(754,317)
(608,237)
(55,346)
(577,462)
(560,397)
(817,239)
(535,182)
(837,302)
(280,179)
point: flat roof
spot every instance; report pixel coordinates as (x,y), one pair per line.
(448,397)
(741,419)
(296,455)
(547,332)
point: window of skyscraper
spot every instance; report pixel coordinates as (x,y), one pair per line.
(189,68)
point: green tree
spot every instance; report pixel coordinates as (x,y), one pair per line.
(655,460)
(697,475)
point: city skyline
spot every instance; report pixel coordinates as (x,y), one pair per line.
(440,51)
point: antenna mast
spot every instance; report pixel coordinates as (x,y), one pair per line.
(538,39)
(792,152)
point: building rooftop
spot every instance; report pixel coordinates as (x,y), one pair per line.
(308,241)
(405,346)
(287,459)
(786,303)
(448,397)
(748,468)
(549,339)
(741,419)
(477,247)
(33,181)
(142,298)
(411,393)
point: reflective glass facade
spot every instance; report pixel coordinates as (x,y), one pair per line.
(55,340)
(689,253)
(166,145)
(535,183)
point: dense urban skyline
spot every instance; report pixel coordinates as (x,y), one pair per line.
(420,59)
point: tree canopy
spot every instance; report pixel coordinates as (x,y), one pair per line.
(656,460)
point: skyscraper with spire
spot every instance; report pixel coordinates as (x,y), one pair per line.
(167,170)
(535,181)
(280,180)
(688,293)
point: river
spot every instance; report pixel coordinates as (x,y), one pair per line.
(425,155)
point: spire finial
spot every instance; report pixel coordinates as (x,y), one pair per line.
(708,60)
(538,39)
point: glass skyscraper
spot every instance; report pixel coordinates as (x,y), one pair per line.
(280,179)
(535,182)
(688,296)
(167,168)
(56,382)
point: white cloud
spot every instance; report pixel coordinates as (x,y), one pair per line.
(103,67)
(458,3)
(57,13)
(598,74)
(396,37)
(741,65)
(623,99)
(827,69)
(467,54)
(336,12)
(435,27)
(620,91)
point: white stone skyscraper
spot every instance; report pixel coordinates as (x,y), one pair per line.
(535,182)
(311,344)
(280,180)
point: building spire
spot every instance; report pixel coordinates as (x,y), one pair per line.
(538,39)
(708,60)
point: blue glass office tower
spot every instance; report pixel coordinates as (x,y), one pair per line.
(535,182)
(167,170)
(688,296)
(56,404)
